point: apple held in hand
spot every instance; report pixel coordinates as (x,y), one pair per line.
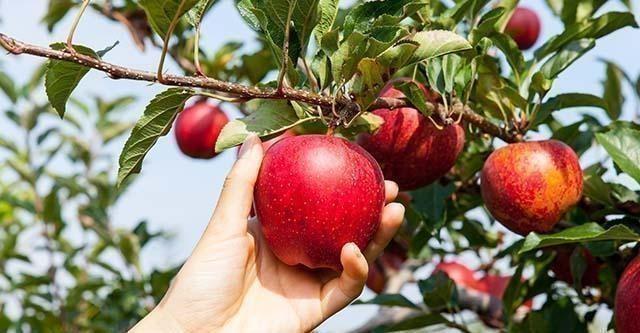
(314,194)
(410,149)
(530,186)
(524,27)
(627,306)
(197,129)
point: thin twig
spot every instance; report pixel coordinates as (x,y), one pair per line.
(315,86)
(167,38)
(285,48)
(74,25)
(196,53)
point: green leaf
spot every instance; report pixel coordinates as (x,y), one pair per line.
(438,291)
(8,87)
(367,122)
(558,314)
(565,57)
(613,91)
(425,45)
(595,188)
(160,13)
(583,233)
(412,323)
(344,62)
(451,64)
(270,18)
(623,145)
(56,11)
(195,15)
(415,95)
(129,245)
(328,12)
(154,123)
(487,25)
(63,77)
(372,14)
(389,300)
(566,101)
(271,117)
(591,28)
(511,51)
(432,200)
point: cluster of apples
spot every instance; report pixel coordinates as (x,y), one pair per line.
(315,193)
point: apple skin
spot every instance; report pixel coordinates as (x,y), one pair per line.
(460,274)
(627,307)
(524,27)
(410,150)
(529,186)
(561,266)
(197,129)
(315,193)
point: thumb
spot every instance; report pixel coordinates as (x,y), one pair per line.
(232,212)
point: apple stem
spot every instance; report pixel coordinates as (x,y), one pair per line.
(331,130)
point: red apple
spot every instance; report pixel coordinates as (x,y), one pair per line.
(496,285)
(627,307)
(197,129)
(524,27)
(410,149)
(561,266)
(460,274)
(314,194)
(376,280)
(530,186)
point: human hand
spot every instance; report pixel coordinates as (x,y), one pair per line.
(232,282)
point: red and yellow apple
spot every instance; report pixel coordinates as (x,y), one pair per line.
(197,129)
(524,27)
(410,149)
(530,186)
(314,194)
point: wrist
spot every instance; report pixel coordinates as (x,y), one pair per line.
(159,321)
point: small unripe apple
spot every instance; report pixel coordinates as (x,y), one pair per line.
(462,275)
(561,266)
(529,186)
(197,129)
(314,194)
(627,306)
(410,149)
(524,27)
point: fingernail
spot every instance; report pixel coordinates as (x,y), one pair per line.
(249,142)
(355,249)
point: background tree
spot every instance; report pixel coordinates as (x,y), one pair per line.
(321,68)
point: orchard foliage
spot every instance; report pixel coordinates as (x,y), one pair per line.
(320,67)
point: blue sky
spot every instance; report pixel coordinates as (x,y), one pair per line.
(178,194)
